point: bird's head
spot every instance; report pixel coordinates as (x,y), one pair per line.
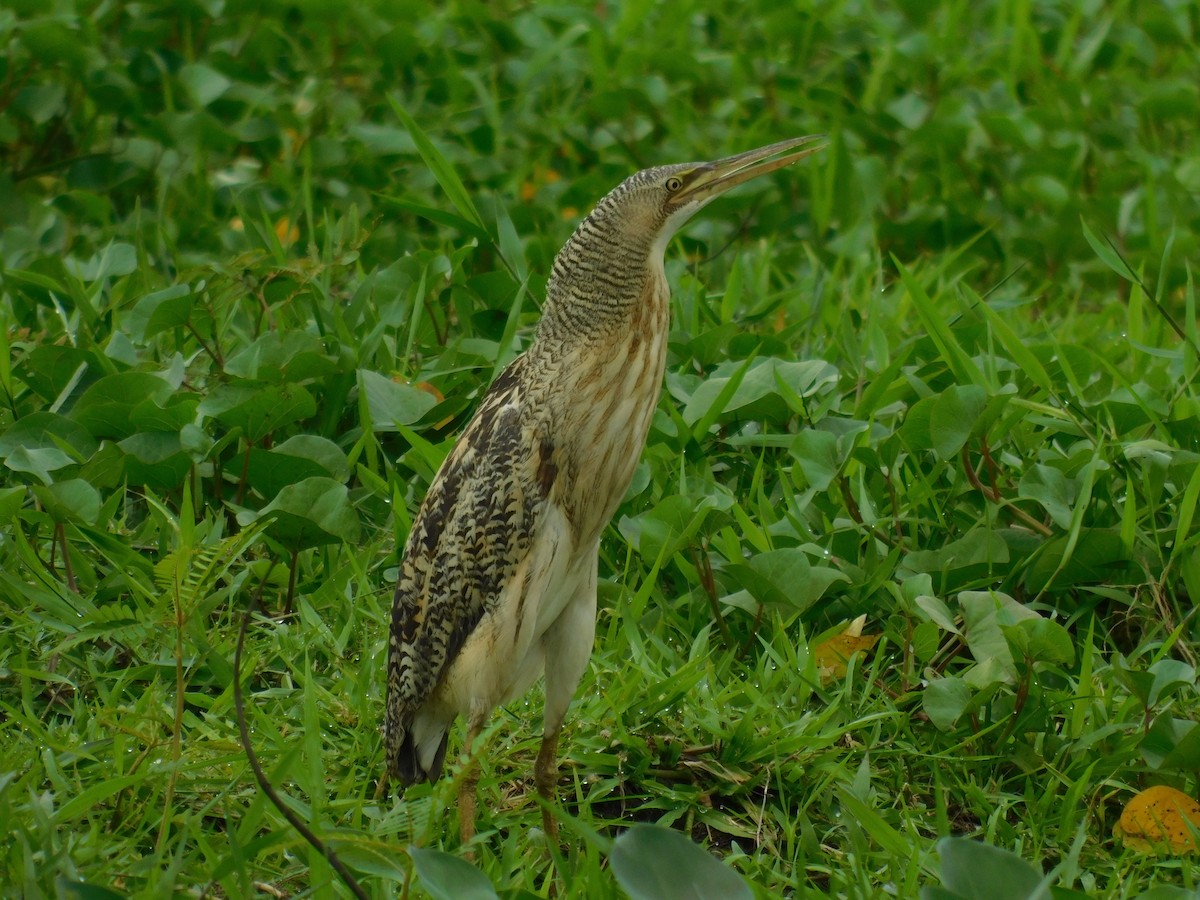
(622,241)
(686,189)
(655,203)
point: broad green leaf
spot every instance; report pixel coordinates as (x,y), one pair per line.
(1172,744)
(737,387)
(41,462)
(11,501)
(711,399)
(654,863)
(160,311)
(1049,487)
(934,892)
(116,259)
(152,447)
(981,546)
(258,410)
(175,414)
(155,459)
(944,700)
(978,871)
(447,877)
(363,855)
(916,427)
(47,430)
(310,513)
(60,374)
(277,358)
(270,471)
(106,408)
(322,451)
(816,453)
(393,403)
(1169,675)
(785,577)
(86,890)
(1137,681)
(1041,640)
(984,614)
(1098,555)
(937,611)
(672,523)
(203,83)
(69,501)
(953,417)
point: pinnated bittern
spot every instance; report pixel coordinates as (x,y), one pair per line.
(498,578)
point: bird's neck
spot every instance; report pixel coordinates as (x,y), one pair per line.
(598,280)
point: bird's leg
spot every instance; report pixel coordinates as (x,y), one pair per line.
(468,786)
(381,786)
(568,644)
(545,777)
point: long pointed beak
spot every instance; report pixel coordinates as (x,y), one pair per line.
(715,178)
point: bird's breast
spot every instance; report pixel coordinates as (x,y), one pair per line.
(613,392)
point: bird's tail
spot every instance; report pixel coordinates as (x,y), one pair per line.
(405,763)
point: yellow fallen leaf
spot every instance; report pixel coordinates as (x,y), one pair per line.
(1156,821)
(832,654)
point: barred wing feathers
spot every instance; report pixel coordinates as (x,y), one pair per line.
(473,531)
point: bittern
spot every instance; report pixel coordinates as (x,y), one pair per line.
(498,578)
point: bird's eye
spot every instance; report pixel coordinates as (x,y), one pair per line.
(674,183)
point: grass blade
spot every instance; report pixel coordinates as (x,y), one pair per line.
(441,168)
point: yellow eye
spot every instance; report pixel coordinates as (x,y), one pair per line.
(674,183)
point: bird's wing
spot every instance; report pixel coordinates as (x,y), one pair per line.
(473,530)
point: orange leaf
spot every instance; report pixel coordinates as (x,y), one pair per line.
(286,232)
(832,654)
(426,387)
(1156,821)
(437,395)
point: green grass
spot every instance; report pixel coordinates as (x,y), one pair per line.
(942,374)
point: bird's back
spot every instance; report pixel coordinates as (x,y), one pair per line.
(474,527)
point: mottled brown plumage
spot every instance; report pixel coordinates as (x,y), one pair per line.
(498,579)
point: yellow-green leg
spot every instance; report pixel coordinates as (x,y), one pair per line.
(469,784)
(545,777)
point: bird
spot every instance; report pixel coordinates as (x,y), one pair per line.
(497,581)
